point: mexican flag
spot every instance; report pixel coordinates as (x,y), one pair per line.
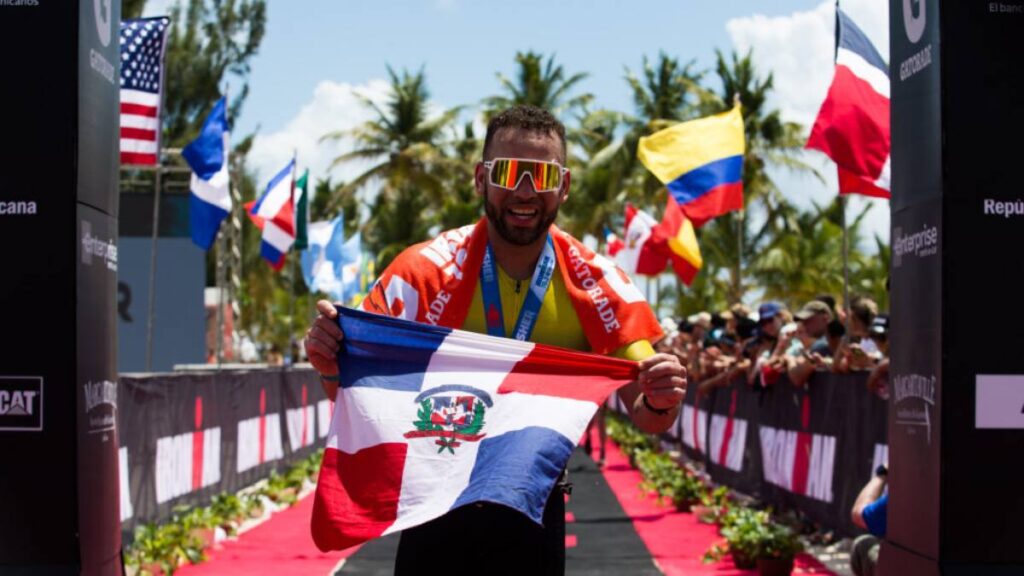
(302,211)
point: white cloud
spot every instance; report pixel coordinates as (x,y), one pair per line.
(334,107)
(799,50)
(158,8)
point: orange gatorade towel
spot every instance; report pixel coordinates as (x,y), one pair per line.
(433,282)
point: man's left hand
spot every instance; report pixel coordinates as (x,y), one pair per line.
(662,381)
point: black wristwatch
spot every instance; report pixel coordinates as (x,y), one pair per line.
(881,470)
(658,411)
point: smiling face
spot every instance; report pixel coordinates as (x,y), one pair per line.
(522,216)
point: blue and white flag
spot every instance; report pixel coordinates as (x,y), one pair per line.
(207,155)
(328,259)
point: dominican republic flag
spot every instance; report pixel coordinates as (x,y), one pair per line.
(207,155)
(852,127)
(700,162)
(639,254)
(274,213)
(428,419)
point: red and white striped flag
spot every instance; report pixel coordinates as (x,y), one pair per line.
(142,74)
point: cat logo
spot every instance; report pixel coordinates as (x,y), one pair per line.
(21,403)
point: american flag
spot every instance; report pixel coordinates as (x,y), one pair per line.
(142,55)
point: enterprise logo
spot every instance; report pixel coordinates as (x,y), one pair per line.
(919,244)
(93,246)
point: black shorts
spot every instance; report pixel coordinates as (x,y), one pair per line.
(487,539)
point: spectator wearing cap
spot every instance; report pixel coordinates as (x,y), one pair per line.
(836,328)
(814,319)
(769,363)
(733,316)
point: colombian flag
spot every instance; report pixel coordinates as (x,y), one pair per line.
(701,164)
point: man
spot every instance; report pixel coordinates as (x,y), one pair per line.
(485,278)
(870,512)
(814,319)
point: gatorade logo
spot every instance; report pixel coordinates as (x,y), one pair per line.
(914,24)
(101,9)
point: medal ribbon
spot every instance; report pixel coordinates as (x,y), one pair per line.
(495,318)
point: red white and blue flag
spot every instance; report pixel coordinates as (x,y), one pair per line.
(274,214)
(428,419)
(852,127)
(143,43)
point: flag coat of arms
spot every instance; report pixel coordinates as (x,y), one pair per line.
(639,253)
(701,164)
(852,127)
(428,419)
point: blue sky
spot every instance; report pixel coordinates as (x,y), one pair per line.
(318,53)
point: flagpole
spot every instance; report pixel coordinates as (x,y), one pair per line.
(151,310)
(221,242)
(846,259)
(657,294)
(739,256)
(739,232)
(292,348)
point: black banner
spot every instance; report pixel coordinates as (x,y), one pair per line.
(187,437)
(957,376)
(58,216)
(810,448)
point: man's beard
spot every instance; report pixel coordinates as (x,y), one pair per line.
(518,235)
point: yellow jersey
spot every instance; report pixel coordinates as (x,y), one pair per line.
(557,323)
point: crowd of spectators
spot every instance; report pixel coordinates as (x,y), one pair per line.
(762,345)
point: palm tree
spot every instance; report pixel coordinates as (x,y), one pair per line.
(538,83)
(607,173)
(806,258)
(597,196)
(669,93)
(406,146)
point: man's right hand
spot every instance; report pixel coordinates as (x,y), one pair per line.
(323,339)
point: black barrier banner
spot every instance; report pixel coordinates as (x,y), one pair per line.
(190,436)
(809,448)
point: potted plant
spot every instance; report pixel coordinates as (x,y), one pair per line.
(713,506)
(687,490)
(744,533)
(229,511)
(779,546)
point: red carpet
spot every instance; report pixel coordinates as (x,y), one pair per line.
(676,540)
(281,545)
